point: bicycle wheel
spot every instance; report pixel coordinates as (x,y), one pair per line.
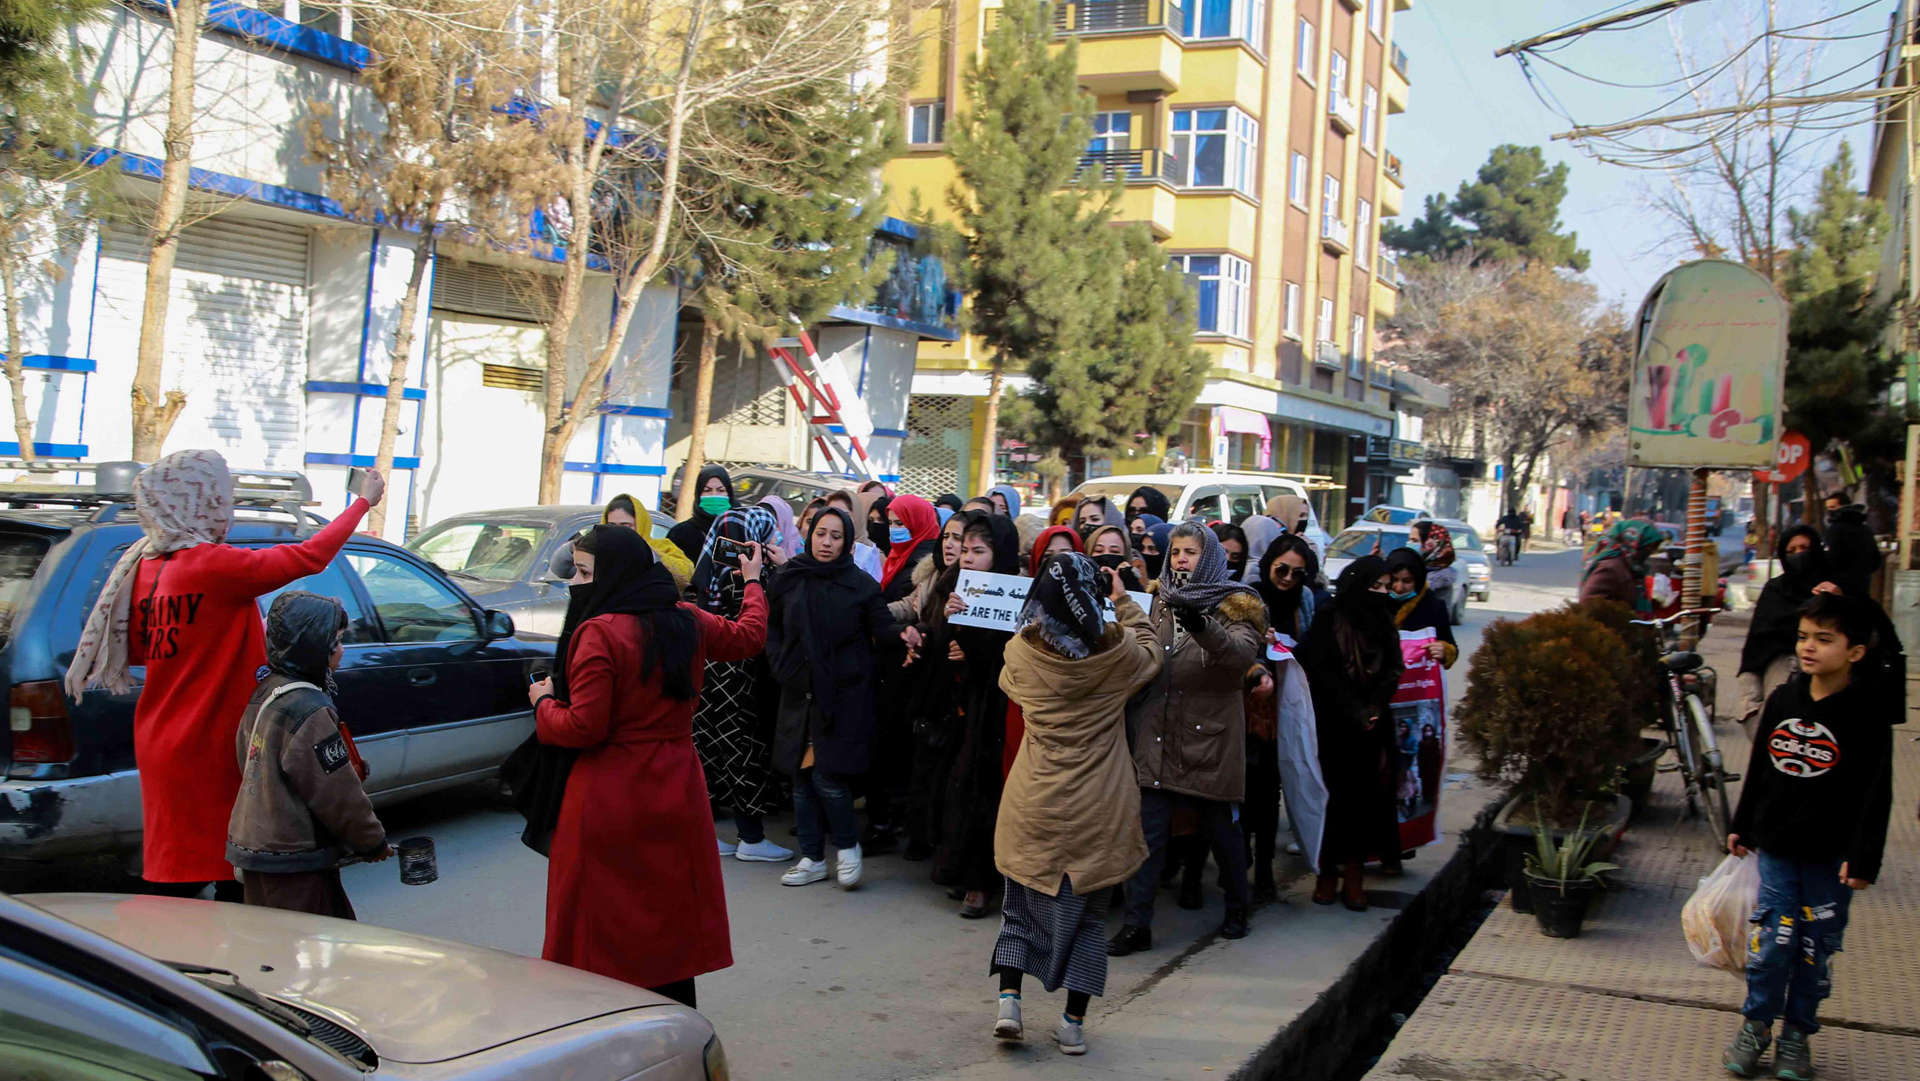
(1712,778)
(1686,750)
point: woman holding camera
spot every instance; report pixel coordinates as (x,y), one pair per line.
(633,886)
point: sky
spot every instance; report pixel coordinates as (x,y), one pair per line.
(1463,102)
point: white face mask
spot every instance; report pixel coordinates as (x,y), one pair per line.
(1178,578)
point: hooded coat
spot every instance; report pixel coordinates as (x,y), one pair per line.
(1775,629)
(828,618)
(633,887)
(690,533)
(1071,805)
(186,605)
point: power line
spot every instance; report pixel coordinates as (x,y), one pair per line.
(1768,105)
(1661,7)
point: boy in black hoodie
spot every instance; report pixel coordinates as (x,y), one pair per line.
(1814,809)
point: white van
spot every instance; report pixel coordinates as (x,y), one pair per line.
(1224,497)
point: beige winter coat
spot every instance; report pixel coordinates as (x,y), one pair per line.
(1071,806)
(1190,728)
(906,610)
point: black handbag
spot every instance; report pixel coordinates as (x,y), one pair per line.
(536,778)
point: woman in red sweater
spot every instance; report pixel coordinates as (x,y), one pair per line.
(633,876)
(186,606)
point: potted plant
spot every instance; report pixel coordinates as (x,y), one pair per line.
(1546,714)
(1562,878)
(1639,683)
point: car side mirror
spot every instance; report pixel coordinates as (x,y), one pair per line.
(499,625)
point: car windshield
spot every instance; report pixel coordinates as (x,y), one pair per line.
(496,551)
(1392,515)
(1464,537)
(20,555)
(752,488)
(1355,543)
(1119,488)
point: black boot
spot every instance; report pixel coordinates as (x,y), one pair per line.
(1130,940)
(1235,925)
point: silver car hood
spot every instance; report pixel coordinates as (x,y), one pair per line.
(415,999)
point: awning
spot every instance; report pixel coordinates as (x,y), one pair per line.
(1238,421)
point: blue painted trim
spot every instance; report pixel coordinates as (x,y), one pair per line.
(42,362)
(365,461)
(878,433)
(93,297)
(273,32)
(637,411)
(866,346)
(148,168)
(48,450)
(844,314)
(896,226)
(618,469)
(889,478)
(364,390)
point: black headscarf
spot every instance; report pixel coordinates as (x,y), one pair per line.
(1853,555)
(301,627)
(1283,605)
(951,502)
(690,535)
(1775,630)
(1227,531)
(826,592)
(1003,536)
(1361,620)
(880,532)
(1064,602)
(1156,500)
(627,580)
(1409,559)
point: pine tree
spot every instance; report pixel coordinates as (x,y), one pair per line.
(1038,266)
(1135,372)
(1509,213)
(1838,369)
(778,221)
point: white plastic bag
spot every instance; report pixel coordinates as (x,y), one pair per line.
(1716,918)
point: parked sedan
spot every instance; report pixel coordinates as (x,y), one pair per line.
(111,986)
(503,557)
(433,684)
(1364,538)
(754,483)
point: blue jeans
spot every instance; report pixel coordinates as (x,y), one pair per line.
(822,803)
(1797,928)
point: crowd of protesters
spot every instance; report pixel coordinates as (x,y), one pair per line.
(1075,762)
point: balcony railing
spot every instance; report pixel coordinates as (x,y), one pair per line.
(1327,355)
(1392,166)
(1400,61)
(1130,166)
(1334,233)
(1341,109)
(1389,271)
(1110,16)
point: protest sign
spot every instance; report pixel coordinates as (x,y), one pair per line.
(994,600)
(1419,741)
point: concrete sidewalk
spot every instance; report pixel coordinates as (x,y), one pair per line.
(1626,1001)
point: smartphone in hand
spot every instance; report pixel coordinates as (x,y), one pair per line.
(357,481)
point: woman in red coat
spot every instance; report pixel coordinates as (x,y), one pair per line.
(186,606)
(633,878)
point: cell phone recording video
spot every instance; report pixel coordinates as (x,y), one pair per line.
(728,551)
(357,481)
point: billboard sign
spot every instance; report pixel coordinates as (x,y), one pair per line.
(1711,353)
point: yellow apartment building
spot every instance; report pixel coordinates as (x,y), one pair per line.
(1252,139)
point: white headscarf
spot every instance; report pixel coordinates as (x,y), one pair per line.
(183,500)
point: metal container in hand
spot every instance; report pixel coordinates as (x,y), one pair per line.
(417,864)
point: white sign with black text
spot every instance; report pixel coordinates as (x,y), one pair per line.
(994,600)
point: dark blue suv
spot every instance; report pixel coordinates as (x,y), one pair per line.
(432,685)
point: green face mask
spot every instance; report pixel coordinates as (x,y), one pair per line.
(715,505)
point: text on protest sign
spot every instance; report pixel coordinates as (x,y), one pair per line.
(994,600)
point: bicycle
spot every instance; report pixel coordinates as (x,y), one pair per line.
(1686,717)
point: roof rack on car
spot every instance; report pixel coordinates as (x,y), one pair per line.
(41,483)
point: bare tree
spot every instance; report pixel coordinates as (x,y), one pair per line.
(153,415)
(449,154)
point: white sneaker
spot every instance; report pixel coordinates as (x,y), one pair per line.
(1071,1036)
(849,867)
(762,851)
(726,849)
(805,873)
(1008,1026)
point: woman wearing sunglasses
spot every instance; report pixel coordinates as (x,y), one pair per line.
(1288,575)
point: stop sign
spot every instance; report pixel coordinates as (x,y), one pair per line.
(1790,459)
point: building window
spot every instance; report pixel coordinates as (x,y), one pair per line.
(1216,148)
(1323,329)
(1212,20)
(1297,180)
(1362,232)
(1292,326)
(1337,74)
(1111,131)
(1359,344)
(1330,198)
(1375,8)
(1223,285)
(1369,116)
(927,124)
(1303,55)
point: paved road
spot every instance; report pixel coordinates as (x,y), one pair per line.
(885,981)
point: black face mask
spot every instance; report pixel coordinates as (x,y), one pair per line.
(877,533)
(1110,561)
(1153,563)
(1235,568)
(1797,563)
(1385,600)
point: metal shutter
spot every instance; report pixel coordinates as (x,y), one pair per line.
(492,291)
(236,334)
